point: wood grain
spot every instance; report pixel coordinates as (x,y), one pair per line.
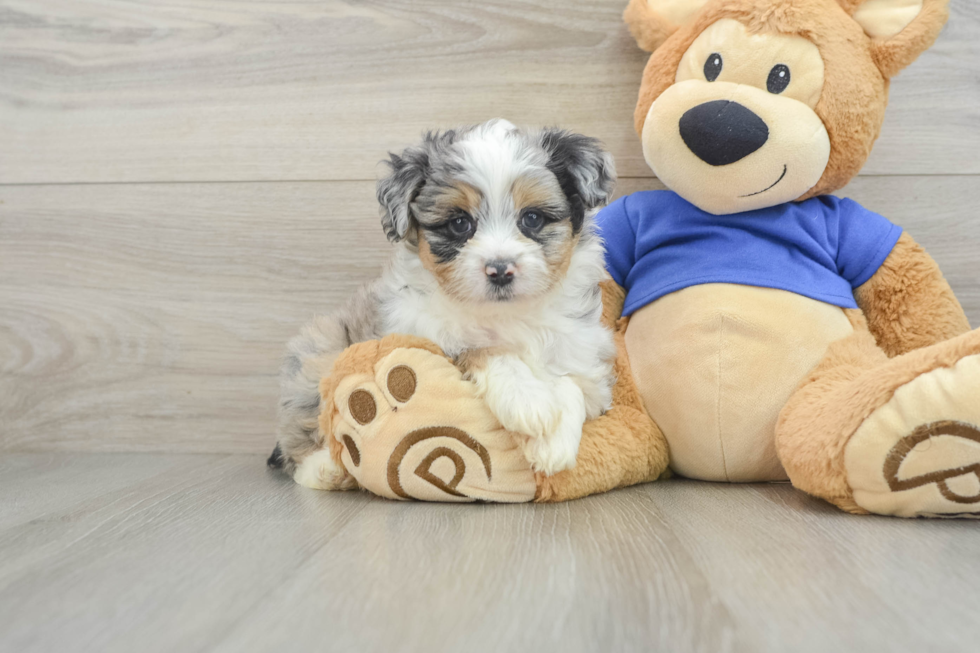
(215,553)
(196,90)
(153,317)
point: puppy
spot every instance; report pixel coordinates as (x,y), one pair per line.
(498,264)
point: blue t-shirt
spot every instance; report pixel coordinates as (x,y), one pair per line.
(822,248)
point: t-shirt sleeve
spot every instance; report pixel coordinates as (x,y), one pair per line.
(617,233)
(865,239)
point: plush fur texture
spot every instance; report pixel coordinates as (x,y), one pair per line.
(495,252)
(648,27)
(908,302)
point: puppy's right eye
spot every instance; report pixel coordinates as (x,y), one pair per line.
(712,67)
(532,221)
(461,226)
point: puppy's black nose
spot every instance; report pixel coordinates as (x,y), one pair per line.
(722,132)
(500,273)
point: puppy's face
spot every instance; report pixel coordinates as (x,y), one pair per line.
(495,212)
(493,222)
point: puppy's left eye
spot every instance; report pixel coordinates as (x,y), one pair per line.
(461,226)
(532,220)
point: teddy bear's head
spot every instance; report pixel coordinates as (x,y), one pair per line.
(746,104)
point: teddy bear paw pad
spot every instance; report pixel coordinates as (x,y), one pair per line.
(415,430)
(919,454)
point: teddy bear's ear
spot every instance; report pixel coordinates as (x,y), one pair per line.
(652,21)
(900,30)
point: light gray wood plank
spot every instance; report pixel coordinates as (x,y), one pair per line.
(35,484)
(153,317)
(92,90)
(809,577)
(222,555)
(598,574)
(164,565)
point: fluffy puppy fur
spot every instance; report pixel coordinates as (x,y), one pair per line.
(497,263)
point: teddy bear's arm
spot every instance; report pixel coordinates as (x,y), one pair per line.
(908,302)
(613,299)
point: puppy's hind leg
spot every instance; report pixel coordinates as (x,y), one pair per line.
(300,450)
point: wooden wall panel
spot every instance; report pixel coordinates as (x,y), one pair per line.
(198,90)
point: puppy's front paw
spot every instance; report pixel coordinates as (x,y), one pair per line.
(530,411)
(522,402)
(558,449)
(551,455)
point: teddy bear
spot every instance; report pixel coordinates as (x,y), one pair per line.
(765,329)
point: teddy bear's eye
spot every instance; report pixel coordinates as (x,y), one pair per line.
(778,79)
(712,67)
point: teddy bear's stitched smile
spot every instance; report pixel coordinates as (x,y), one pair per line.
(785,169)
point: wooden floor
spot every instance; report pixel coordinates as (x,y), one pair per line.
(201,552)
(184,182)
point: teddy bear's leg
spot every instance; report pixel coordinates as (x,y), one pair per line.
(622,447)
(897,436)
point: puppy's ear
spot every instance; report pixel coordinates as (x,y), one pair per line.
(651,22)
(585,171)
(398,190)
(900,30)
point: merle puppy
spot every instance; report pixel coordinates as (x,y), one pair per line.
(497,263)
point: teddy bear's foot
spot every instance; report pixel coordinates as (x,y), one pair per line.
(919,453)
(414,429)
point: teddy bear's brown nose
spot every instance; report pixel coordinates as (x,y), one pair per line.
(722,132)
